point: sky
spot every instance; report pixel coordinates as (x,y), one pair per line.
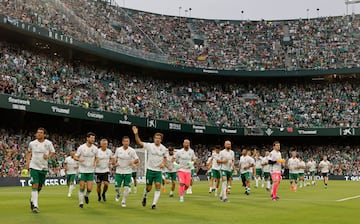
(244,9)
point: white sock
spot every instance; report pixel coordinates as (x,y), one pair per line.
(71,188)
(117,191)
(262,181)
(145,193)
(126,194)
(87,193)
(156,197)
(256,181)
(34,197)
(268,184)
(223,189)
(81,197)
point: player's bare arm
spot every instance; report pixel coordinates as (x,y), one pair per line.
(28,157)
(137,138)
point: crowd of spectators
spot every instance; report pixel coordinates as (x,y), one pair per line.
(319,43)
(227,104)
(345,159)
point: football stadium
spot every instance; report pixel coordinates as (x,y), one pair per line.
(110,114)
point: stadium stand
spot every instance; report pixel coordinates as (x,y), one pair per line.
(257,104)
(320,43)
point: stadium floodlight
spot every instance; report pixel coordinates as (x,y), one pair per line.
(350,2)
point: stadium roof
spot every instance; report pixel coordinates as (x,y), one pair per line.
(246,9)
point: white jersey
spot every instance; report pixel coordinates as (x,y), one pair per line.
(266,168)
(244,162)
(184,158)
(38,149)
(156,155)
(302,166)
(71,165)
(170,165)
(258,161)
(325,166)
(311,165)
(274,156)
(215,157)
(103,164)
(124,158)
(230,156)
(88,154)
(293,165)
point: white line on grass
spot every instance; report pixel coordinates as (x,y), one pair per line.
(349,198)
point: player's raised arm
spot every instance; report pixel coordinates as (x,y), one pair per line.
(137,138)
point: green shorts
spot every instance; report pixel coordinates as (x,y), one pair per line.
(312,173)
(86,177)
(293,176)
(259,172)
(38,176)
(124,179)
(70,178)
(192,172)
(215,173)
(171,176)
(245,176)
(133,175)
(153,176)
(267,175)
(300,174)
(227,174)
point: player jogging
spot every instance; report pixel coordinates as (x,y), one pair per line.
(301,169)
(86,154)
(171,171)
(293,165)
(227,158)
(245,164)
(125,158)
(325,167)
(215,170)
(102,168)
(39,152)
(266,170)
(185,157)
(258,170)
(155,162)
(275,162)
(71,167)
(311,166)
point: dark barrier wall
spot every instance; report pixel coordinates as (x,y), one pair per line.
(32,105)
(56,181)
(25,181)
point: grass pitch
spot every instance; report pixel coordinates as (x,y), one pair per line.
(313,204)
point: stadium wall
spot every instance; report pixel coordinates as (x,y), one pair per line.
(32,105)
(57,181)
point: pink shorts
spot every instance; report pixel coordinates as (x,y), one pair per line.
(184,177)
(276,177)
